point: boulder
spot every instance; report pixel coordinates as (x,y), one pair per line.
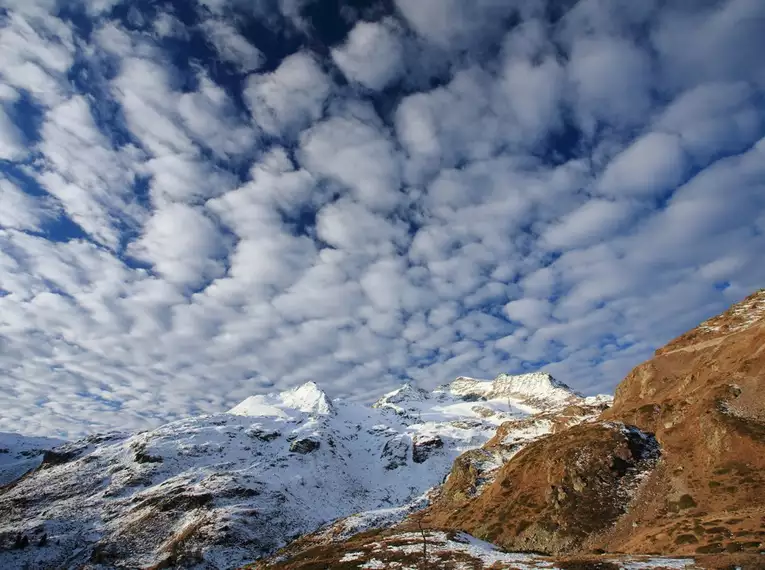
(304,445)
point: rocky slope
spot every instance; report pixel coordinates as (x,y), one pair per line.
(675,467)
(431,550)
(703,395)
(216,491)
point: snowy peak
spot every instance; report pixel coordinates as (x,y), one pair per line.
(407,393)
(308,398)
(536,388)
(535,385)
(19,454)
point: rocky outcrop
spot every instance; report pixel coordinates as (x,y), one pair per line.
(553,495)
(703,395)
(424,446)
(395,452)
(305,445)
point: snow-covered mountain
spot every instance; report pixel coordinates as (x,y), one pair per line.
(217,491)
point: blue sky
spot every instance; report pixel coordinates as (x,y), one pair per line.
(202,200)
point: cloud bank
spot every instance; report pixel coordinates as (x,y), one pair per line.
(204,200)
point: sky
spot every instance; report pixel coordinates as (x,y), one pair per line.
(201,200)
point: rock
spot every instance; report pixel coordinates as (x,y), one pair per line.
(263,435)
(141,456)
(557,491)
(424,446)
(395,452)
(483,411)
(304,446)
(52,457)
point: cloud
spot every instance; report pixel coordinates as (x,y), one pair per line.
(232,47)
(144,91)
(593,221)
(11,139)
(372,55)
(714,119)
(451,24)
(37,51)
(529,312)
(200,205)
(290,98)
(356,154)
(183,244)
(349,226)
(534,93)
(724,43)
(653,164)
(612,82)
(20,211)
(80,168)
(214,122)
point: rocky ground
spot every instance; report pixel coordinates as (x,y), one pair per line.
(450,550)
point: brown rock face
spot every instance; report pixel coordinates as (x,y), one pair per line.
(703,395)
(555,494)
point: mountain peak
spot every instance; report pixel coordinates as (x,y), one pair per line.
(532,384)
(308,398)
(534,387)
(305,398)
(406,393)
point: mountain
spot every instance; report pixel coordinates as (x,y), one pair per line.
(703,395)
(537,388)
(457,477)
(218,491)
(676,467)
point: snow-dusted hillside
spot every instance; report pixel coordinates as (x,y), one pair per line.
(217,491)
(19,454)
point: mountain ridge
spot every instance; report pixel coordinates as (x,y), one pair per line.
(217,491)
(672,465)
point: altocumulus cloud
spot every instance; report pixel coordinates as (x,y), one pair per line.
(204,199)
